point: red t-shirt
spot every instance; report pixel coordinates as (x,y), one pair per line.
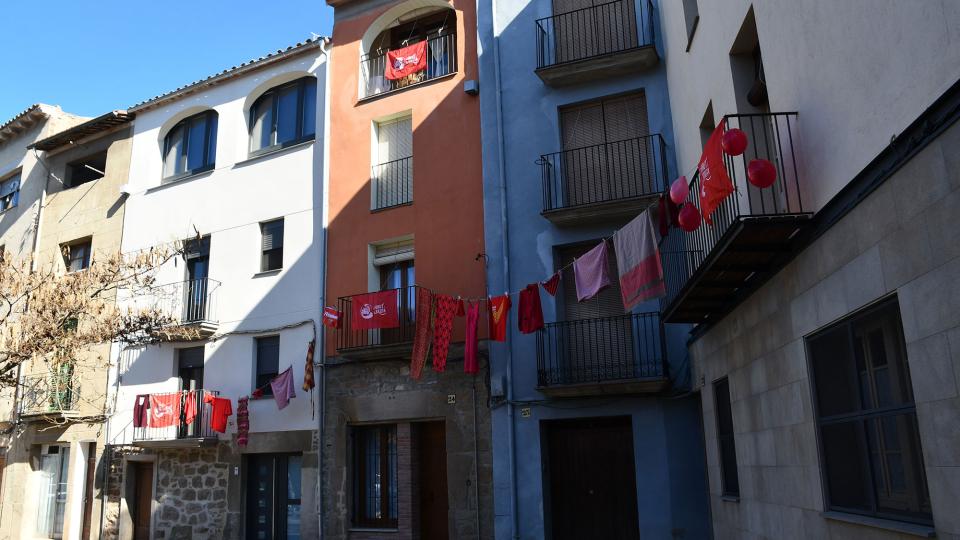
(221,410)
(499,308)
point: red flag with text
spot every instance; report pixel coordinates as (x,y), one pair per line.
(715,184)
(410,59)
(375,310)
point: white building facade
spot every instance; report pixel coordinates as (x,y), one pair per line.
(230,168)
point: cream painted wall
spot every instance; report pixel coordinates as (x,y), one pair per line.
(857,72)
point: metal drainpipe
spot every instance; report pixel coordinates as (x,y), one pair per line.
(505,252)
(321,338)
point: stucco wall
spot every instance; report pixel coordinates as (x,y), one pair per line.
(898,240)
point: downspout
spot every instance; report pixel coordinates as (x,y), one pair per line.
(504,257)
(321,338)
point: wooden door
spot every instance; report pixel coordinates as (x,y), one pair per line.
(590,477)
(432,459)
(88,490)
(142,500)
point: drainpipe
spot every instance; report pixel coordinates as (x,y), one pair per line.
(504,257)
(321,338)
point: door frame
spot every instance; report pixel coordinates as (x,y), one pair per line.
(128,462)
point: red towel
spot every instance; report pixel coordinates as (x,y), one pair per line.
(191,404)
(530,314)
(638,261)
(471,364)
(499,308)
(444,309)
(423,334)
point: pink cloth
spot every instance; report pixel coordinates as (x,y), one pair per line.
(590,272)
(282,386)
(471,364)
(638,261)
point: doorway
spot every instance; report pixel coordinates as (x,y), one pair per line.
(273,496)
(140,502)
(431,440)
(190,372)
(197,253)
(590,480)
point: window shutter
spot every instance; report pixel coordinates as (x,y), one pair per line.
(387,254)
(394,139)
(268,355)
(606,304)
(191,357)
(9,186)
(582,125)
(626,117)
(272,235)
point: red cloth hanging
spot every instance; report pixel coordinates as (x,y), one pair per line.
(530,314)
(243,421)
(461,309)
(423,334)
(402,62)
(191,404)
(375,310)
(638,262)
(331,317)
(552,284)
(471,363)
(164,409)
(444,309)
(220,410)
(715,184)
(499,308)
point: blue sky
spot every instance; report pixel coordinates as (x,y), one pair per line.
(93,56)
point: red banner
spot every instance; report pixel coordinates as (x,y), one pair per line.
(164,409)
(375,310)
(410,59)
(715,185)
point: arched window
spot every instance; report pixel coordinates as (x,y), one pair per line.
(191,146)
(284,115)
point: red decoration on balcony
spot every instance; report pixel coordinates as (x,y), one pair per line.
(734,142)
(679,190)
(403,62)
(761,173)
(715,184)
(375,310)
(689,218)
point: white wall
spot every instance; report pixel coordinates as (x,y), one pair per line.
(228,204)
(856,71)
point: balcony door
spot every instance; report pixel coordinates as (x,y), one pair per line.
(273,496)
(197,253)
(587,28)
(400,275)
(606,152)
(190,373)
(54,464)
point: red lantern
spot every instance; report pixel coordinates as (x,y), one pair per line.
(761,173)
(734,142)
(689,218)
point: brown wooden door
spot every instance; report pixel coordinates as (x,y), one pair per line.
(142,500)
(432,459)
(590,479)
(88,490)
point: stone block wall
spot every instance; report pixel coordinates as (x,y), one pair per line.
(902,239)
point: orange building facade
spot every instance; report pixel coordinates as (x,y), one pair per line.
(404,458)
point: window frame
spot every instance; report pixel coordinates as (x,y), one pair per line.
(259,376)
(869,316)
(359,486)
(726,490)
(274,93)
(68,256)
(264,253)
(211,119)
(12,199)
(78,165)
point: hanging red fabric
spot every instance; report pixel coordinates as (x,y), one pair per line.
(403,62)
(375,310)
(423,335)
(715,184)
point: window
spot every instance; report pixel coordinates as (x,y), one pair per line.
(76,256)
(392,174)
(375,476)
(274,495)
(870,447)
(9,192)
(268,362)
(54,463)
(728,447)
(271,245)
(284,115)
(691,17)
(86,170)
(191,146)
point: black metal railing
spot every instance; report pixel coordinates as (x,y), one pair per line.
(615,171)
(392,183)
(198,427)
(348,338)
(441,60)
(601,350)
(594,31)
(190,301)
(50,393)
(770,136)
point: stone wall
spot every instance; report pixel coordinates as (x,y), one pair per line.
(901,239)
(383,392)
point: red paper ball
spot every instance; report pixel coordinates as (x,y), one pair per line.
(734,142)
(761,173)
(689,218)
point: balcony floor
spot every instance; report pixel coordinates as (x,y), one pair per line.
(618,211)
(186,442)
(648,385)
(599,67)
(752,249)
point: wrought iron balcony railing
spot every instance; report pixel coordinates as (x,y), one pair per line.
(603,173)
(198,427)
(441,60)
(349,339)
(191,301)
(603,350)
(596,31)
(392,183)
(50,394)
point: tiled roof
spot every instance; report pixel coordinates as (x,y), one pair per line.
(280,54)
(90,127)
(24,120)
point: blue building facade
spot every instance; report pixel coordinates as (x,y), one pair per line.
(594,432)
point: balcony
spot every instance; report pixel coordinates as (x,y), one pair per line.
(50,396)
(591,43)
(441,61)
(755,231)
(182,434)
(192,304)
(605,182)
(611,355)
(392,183)
(380,343)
